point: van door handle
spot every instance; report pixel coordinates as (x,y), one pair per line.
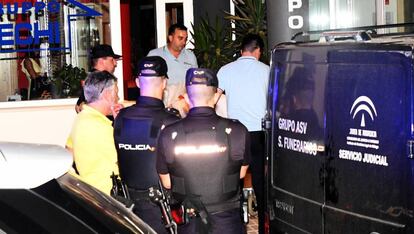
(410,149)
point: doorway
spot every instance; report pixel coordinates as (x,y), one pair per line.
(149,23)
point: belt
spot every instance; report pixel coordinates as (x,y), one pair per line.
(138,194)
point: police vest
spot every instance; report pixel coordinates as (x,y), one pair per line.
(203,168)
(136,142)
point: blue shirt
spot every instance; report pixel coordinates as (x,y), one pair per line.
(177,67)
(245,82)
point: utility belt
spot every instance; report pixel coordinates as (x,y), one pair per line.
(183,212)
(138,194)
(193,207)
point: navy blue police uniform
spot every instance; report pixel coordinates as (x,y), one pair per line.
(136,130)
(203,154)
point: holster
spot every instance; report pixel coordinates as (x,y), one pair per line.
(244,207)
(192,207)
(119,191)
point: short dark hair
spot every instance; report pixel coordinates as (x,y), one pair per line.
(173,27)
(251,42)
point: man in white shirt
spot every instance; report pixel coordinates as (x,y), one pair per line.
(245,83)
(178,59)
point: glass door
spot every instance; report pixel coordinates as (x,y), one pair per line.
(172,11)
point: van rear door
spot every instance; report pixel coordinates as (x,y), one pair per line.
(368,116)
(296,185)
(341,117)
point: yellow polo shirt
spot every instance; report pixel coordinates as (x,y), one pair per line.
(92,142)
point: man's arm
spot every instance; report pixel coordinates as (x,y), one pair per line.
(29,67)
(247,155)
(243,171)
(223,79)
(165,180)
(161,164)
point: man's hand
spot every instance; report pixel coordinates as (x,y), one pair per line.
(165,180)
(79,108)
(115,109)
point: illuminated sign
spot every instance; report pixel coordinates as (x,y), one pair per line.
(202,149)
(137,147)
(17,35)
(295,21)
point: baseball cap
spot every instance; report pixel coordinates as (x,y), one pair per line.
(103,50)
(201,76)
(152,66)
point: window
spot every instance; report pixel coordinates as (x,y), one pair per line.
(331,14)
(40,39)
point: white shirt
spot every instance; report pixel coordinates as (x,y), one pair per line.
(245,82)
(177,67)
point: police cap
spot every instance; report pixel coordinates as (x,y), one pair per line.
(205,76)
(152,66)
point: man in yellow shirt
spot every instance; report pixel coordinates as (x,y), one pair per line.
(91,139)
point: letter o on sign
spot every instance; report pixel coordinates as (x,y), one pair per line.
(295,22)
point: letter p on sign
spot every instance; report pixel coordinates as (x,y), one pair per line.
(295,21)
(294,4)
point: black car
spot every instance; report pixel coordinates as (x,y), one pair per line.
(38,195)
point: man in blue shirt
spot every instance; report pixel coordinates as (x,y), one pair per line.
(245,84)
(178,59)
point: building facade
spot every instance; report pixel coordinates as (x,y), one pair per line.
(58,35)
(288,17)
(62,32)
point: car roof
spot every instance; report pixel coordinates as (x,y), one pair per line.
(25,166)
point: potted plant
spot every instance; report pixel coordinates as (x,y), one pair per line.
(212,44)
(249,17)
(66,81)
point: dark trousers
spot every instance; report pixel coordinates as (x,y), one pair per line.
(151,214)
(257,167)
(225,222)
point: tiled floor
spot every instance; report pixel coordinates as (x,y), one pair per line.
(252,226)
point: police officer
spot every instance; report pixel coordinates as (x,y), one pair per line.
(136,130)
(202,159)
